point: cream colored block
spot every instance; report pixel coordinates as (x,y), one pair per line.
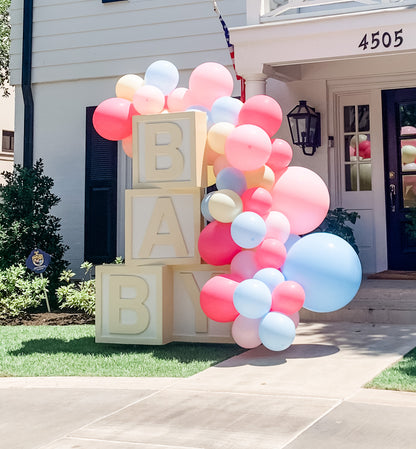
(189,321)
(134,305)
(168,150)
(163,226)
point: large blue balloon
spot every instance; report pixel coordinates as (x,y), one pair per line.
(328,269)
(252,298)
(248,230)
(277,331)
(162,74)
(232,179)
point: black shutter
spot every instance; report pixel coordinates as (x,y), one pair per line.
(100,230)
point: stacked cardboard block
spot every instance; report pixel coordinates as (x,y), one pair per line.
(154,297)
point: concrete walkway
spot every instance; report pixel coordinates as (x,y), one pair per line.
(309,396)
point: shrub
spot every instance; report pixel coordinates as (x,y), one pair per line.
(26,222)
(79,295)
(336,223)
(19,291)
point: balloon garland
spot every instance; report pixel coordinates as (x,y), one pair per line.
(260,210)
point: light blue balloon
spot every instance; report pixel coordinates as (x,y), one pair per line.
(162,74)
(248,230)
(204,207)
(272,277)
(252,298)
(292,239)
(328,269)
(277,331)
(197,107)
(232,179)
(226,109)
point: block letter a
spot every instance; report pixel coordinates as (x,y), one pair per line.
(163,213)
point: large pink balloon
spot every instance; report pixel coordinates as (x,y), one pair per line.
(112,118)
(303,197)
(210,81)
(247,147)
(216,245)
(280,156)
(263,111)
(216,299)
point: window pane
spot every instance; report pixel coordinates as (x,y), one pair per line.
(349,119)
(348,149)
(407,113)
(364,117)
(365,176)
(351,178)
(409,190)
(408,154)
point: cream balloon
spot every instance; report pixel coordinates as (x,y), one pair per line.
(224,205)
(262,177)
(217,135)
(408,154)
(361,138)
(127,85)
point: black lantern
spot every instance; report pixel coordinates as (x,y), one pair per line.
(305,127)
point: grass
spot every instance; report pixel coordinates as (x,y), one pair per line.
(401,376)
(71,351)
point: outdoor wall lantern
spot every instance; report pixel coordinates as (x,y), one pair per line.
(305,127)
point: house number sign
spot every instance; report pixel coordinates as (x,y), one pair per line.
(378,39)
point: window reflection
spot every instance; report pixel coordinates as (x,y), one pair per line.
(409,190)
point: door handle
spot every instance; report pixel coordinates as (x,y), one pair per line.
(392,194)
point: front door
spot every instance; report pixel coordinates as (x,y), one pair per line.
(399,118)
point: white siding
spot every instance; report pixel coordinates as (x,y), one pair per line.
(90,39)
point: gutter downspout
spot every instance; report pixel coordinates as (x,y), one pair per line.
(27,83)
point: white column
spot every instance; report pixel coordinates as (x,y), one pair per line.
(255,84)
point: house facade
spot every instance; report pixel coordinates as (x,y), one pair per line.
(354,62)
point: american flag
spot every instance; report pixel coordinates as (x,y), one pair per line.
(231,50)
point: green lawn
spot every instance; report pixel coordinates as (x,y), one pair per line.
(401,376)
(71,351)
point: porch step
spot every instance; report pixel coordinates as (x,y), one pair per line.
(378,301)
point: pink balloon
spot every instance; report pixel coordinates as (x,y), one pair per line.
(406,130)
(257,200)
(127,145)
(263,111)
(245,332)
(303,197)
(295,318)
(149,100)
(280,156)
(364,149)
(220,163)
(244,265)
(112,119)
(247,147)
(216,299)
(277,226)
(216,245)
(288,297)
(175,100)
(271,253)
(210,81)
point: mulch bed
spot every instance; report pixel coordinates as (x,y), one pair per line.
(394,275)
(51,319)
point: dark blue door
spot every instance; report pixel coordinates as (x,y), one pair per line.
(100,231)
(399,118)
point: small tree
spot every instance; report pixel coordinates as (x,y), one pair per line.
(4,46)
(26,222)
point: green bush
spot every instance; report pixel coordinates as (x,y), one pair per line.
(26,222)
(19,291)
(79,295)
(335,222)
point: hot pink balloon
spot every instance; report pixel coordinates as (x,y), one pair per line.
(112,118)
(303,197)
(271,253)
(244,265)
(247,147)
(280,156)
(210,81)
(216,245)
(364,149)
(216,299)
(257,200)
(288,297)
(263,111)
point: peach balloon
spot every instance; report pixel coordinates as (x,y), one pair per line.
(149,100)
(127,85)
(127,145)
(303,197)
(220,163)
(262,177)
(217,135)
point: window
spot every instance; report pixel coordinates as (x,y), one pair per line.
(8,141)
(357,148)
(111,1)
